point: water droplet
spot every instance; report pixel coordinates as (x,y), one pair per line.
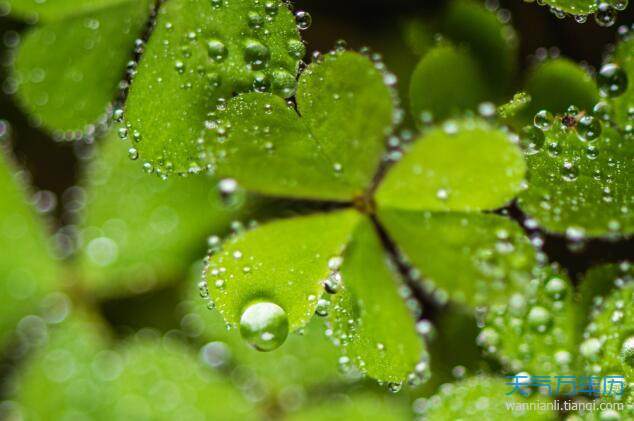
(539,318)
(590,348)
(627,351)
(619,5)
(303,20)
(133,154)
(322,307)
(589,128)
(283,83)
(556,288)
(271,8)
(531,139)
(605,15)
(333,284)
(543,120)
(569,171)
(256,20)
(296,48)
(217,50)
(264,326)
(256,54)
(612,80)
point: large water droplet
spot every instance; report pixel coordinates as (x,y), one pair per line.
(612,80)
(627,351)
(543,120)
(264,326)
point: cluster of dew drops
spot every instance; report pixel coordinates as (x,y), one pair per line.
(256,57)
(612,82)
(605,15)
(264,324)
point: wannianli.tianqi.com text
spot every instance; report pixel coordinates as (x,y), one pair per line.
(566,406)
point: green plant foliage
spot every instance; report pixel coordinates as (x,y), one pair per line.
(201,52)
(75,372)
(466,166)
(477,259)
(608,346)
(493,44)
(140,232)
(579,186)
(284,262)
(469,399)
(360,406)
(174,386)
(534,331)
(69,371)
(624,104)
(370,289)
(446,81)
(62,79)
(519,102)
(331,152)
(555,84)
(23,241)
(574,7)
(307,360)
(54,10)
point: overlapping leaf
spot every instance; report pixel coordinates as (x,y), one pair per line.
(446,82)
(426,203)
(492,42)
(471,398)
(574,7)
(580,186)
(331,152)
(608,345)
(555,84)
(284,262)
(201,52)
(60,68)
(535,331)
(624,103)
(369,311)
(307,359)
(28,270)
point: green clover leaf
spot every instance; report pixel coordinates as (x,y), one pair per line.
(623,102)
(429,202)
(331,152)
(467,399)
(23,285)
(269,280)
(206,51)
(59,69)
(579,182)
(553,331)
(534,332)
(555,84)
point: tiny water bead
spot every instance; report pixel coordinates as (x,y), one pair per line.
(217,50)
(539,318)
(612,80)
(283,83)
(531,139)
(627,351)
(556,288)
(264,325)
(303,19)
(256,54)
(589,128)
(605,14)
(543,120)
